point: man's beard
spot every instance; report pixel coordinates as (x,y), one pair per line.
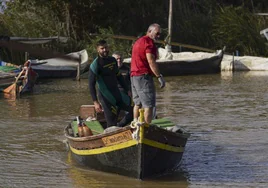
(104,54)
(156,39)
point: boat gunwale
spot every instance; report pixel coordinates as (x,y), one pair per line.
(93,137)
(213,57)
(122,129)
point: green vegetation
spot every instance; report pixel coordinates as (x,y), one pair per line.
(239,30)
(207,23)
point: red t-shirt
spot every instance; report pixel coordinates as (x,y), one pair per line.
(139,63)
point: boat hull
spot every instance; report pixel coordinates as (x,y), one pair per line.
(56,73)
(60,68)
(127,162)
(177,68)
(7,74)
(6,80)
(29,82)
(123,161)
(185,65)
(26,84)
(151,152)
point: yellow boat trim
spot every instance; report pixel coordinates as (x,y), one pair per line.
(126,145)
(162,146)
(104,149)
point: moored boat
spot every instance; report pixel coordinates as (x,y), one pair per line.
(137,150)
(28,80)
(61,68)
(188,63)
(8,72)
(6,79)
(19,83)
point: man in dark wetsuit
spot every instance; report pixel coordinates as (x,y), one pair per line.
(104,71)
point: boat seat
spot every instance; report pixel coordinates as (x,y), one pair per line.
(89,111)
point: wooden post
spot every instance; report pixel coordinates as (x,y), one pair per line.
(232,63)
(168,46)
(78,68)
(26,56)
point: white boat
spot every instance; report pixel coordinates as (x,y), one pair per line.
(61,68)
(187,63)
(244,63)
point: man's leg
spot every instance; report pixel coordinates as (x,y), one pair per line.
(148,115)
(143,93)
(136,111)
(147,97)
(110,111)
(135,97)
(128,116)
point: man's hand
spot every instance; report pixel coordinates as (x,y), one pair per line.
(161,81)
(98,107)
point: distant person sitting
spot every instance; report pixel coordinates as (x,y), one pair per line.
(124,70)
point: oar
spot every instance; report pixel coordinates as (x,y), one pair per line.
(13,87)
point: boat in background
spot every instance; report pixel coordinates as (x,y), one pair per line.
(29,78)
(8,72)
(61,68)
(6,79)
(187,63)
(9,67)
(138,150)
(16,84)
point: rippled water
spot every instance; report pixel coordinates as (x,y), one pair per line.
(226,115)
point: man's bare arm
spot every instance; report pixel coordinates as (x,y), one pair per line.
(152,63)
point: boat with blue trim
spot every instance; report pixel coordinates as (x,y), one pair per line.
(16,80)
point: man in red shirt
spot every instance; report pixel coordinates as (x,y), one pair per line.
(143,68)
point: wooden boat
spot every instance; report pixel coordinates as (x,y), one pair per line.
(9,67)
(188,63)
(8,72)
(137,150)
(28,80)
(61,68)
(6,79)
(19,83)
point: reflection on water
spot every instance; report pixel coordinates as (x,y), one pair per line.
(226,115)
(83,177)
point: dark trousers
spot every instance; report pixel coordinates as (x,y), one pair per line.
(111,112)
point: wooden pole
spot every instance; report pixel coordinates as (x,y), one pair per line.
(158,41)
(79,68)
(168,46)
(26,57)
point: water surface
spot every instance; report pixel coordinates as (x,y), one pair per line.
(226,115)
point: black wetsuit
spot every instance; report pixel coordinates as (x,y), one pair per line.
(105,72)
(125,72)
